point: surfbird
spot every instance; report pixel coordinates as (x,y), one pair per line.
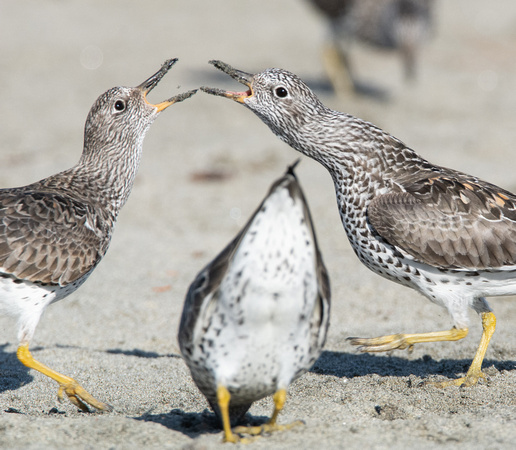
(256,317)
(54,232)
(401,26)
(446,234)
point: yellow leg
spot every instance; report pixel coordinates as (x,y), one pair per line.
(337,67)
(475,370)
(280,397)
(279,401)
(403,341)
(76,393)
(223,397)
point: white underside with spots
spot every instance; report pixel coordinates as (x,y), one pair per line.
(455,290)
(259,337)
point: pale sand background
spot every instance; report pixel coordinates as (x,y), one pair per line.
(117,334)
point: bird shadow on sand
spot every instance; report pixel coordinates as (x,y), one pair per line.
(13,374)
(141,353)
(193,424)
(350,365)
(118,351)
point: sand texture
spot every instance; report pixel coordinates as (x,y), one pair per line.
(207,164)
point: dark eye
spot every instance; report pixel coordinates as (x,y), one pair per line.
(119,105)
(281,92)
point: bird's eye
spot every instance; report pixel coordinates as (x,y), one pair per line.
(119,105)
(281,92)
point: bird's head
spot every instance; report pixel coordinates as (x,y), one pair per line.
(280,98)
(121,116)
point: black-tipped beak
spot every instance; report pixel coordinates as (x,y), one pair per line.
(149,84)
(177,98)
(242,77)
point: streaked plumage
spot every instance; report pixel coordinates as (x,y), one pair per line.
(54,232)
(446,234)
(256,317)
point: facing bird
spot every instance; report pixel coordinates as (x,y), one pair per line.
(54,232)
(256,317)
(446,234)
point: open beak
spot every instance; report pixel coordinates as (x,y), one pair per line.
(151,83)
(242,77)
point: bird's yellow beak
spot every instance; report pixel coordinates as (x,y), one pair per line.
(151,83)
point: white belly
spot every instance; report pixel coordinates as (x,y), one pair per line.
(26,301)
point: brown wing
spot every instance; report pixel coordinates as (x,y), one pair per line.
(48,238)
(449,223)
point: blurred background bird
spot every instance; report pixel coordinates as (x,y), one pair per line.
(399,25)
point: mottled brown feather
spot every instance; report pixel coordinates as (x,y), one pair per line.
(49,237)
(449,223)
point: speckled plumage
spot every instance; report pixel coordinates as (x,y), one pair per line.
(256,317)
(54,232)
(446,234)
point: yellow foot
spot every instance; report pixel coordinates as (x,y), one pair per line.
(403,341)
(381,344)
(74,391)
(337,67)
(475,370)
(467,381)
(266,428)
(280,396)
(232,438)
(79,396)
(223,398)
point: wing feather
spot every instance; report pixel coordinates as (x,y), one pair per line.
(450,224)
(44,237)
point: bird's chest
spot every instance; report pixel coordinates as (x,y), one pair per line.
(353,200)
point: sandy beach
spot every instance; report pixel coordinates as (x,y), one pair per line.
(207,164)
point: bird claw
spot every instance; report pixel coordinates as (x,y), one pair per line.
(80,397)
(266,428)
(234,439)
(73,390)
(403,341)
(466,381)
(381,344)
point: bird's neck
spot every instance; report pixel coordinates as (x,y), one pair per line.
(103,181)
(360,156)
